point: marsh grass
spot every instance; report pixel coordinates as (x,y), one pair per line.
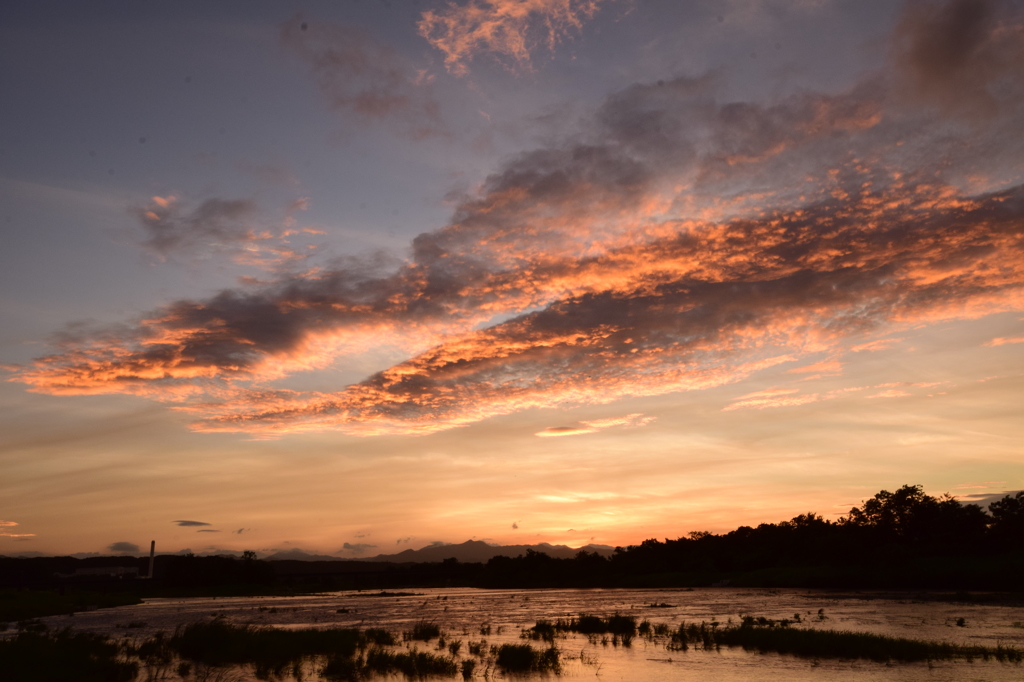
(270,651)
(544,629)
(379,636)
(422,631)
(752,636)
(624,626)
(63,655)
(412,664)
(217,647)
(522,658)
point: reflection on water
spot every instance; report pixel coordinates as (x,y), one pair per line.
(499,616)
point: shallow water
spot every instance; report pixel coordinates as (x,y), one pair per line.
(463,612)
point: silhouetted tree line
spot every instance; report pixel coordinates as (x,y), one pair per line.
(896,539)
(175,572)
(189,571)
(903,539)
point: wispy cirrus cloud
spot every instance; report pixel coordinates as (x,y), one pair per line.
(595,425)
(676,243)
(792,397)
(776,397)
(876,345)
(825,367)
(509,30)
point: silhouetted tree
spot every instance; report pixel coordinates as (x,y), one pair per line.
(1008,520)
(911,517)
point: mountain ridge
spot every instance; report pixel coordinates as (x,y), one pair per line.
(470,551)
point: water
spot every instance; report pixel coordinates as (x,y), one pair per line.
(464,614)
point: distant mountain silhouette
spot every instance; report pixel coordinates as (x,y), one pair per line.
(299,555)
(470,551)
(474,551)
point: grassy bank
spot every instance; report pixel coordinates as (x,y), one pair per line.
(777,638)
(64,656)
(18,605)
(38,655)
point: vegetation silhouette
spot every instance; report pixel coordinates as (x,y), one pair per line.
(523,658)
(63,655)
(905,539)
(765,635)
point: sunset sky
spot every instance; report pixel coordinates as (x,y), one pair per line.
(359,276)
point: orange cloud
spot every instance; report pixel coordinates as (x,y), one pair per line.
(703,307)
(676,243)
(636,419)
(556,431)
(892,393)
(823,368)
(879,344)
(1001,341)
(10,524)
(771,398)
(507,28)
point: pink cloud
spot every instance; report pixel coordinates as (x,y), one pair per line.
(509,29)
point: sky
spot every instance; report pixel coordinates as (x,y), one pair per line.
(357,277)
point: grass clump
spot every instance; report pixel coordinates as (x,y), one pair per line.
(268,650)
(544,629)
(521,658)
(132,625)
(379,636)
(423,631)
(412,664)
(779,638)
(623,628)
(63,655)
(593,625)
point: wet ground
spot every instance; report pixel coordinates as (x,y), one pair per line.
(499,616)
